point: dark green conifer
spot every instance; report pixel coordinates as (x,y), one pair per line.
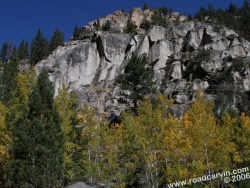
(137,79)
(38,140)
(246,5)
(159,19)
(201,14)
(4,51)
(39,48)
(76,34)
(164,10)
(106,26)
(131,27)
(23,50)
(145,6)
(8,78)
(56,40)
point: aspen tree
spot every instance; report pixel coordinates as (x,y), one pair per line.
(90,142)
(5,141)
(67,106)
(200,133)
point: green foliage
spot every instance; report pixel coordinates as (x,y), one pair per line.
(246,5)
(8,79)
(164,10)
(5,140)
(4,52)
(150,149)
(145,24)
(106,26)
(190,17)
(131,27)
(17,90)
(56,40)
(67,107)
(20,96)
(23,50)
(211,10)
(159,18)
(137,80)
(90,145)
(233,17)
(77,33)
(39,48)
(145,6)
(201,14)
(111,143)
(233,9)
(14,50)
(38,140)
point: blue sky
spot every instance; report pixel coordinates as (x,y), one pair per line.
(21,18)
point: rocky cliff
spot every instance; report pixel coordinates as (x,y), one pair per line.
(186,56)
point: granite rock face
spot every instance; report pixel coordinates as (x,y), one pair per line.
(185,57)
(119,19)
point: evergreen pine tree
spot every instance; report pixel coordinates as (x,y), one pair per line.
(38,140)
(201,14)
(131,27)
(137,79)
(245,19)
(145,6)
(8,78)
(56,40)
(106,26)
(159,19)
(246,4)
(76,34)
(14,50)
(164,10)
(4,51)
(233,9)
(23,50)
(39,48)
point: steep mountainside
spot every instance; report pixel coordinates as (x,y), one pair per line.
(185,55)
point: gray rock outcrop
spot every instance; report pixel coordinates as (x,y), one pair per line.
(83,185)
(185,57)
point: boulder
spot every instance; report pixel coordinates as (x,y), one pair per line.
(198,85)
(143,47)
(114,46)
(193,39)
(159,53)
(156,33)
(83,185)
(181,98)
(246,84)
(174,71)
(136,16)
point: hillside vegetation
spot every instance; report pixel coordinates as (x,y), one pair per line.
(49,140)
